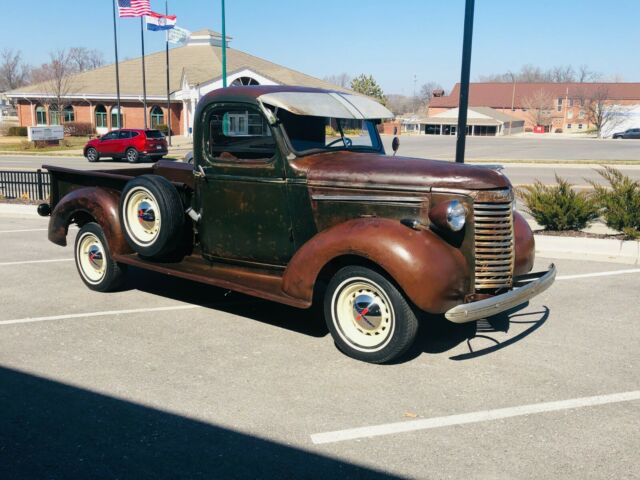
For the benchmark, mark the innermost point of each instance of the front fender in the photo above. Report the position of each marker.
(99, 203)
(432, 273)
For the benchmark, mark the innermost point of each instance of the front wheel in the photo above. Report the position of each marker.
(92, 155)
(368, 317)
(97, 268)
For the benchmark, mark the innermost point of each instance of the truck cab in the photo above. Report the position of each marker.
(291, 197)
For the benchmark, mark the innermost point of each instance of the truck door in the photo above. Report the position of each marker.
(241, 189)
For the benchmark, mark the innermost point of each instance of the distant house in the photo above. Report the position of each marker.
(566, 100)
(196, 69)
(481, 121)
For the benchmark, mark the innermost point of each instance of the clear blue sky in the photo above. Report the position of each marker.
(393, 40)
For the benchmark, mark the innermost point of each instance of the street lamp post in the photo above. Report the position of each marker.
(224, 49)
(465, 72)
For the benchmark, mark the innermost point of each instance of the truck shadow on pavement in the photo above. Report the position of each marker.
(436, 334)
(52, 430)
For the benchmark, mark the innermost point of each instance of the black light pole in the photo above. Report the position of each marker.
(144, 75)
(115, 41)
(463, 103)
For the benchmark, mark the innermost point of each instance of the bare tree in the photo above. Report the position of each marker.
(426, 92)
(539, 107)
(585, 74)
(599, 110)
(400, 104)
(342, 80)
(83, 59)
(56, 77)
(13, 71)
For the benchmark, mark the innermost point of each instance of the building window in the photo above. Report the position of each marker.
(101, 116)
(157, 117)
(54, 115)
(116, 120)
(568, 126)
(244, 81)
(559, 104)
(69, 115)
(41, 115)
(581, 114)
(570, 114)
(579, 126)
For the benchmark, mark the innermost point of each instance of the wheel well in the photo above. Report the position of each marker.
(335, 264)
(80, 218)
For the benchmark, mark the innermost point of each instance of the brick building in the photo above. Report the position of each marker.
(565, 100)
(196, 69)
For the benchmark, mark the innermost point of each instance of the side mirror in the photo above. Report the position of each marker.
(395, 145)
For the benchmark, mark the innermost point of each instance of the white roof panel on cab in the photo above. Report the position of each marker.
(327, 104)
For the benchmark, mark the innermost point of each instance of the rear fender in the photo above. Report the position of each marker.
(433, 274)
(97, 203)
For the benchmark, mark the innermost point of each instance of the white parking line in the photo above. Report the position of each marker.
(474, 417)
(26, 262)
(598, 274)
(25, 230)
(98, 314)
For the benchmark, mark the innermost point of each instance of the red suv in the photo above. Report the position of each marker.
(127, 143)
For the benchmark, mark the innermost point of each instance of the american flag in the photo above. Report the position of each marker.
(134, 8)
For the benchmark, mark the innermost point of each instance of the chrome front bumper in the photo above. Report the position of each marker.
(525, 287)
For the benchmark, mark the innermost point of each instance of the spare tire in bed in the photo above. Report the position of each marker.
(151, 215)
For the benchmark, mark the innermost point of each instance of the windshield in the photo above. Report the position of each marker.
(310, 134)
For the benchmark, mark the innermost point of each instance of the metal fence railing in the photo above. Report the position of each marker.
(16, 184)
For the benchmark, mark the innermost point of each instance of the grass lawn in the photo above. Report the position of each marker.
(21, 144)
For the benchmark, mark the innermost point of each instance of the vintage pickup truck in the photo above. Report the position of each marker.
(291, 198)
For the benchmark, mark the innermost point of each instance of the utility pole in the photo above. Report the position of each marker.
(414, 92)
(513, 96)
(115, 41)
(463, 103)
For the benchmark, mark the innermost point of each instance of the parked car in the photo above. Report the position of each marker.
(292, 198)
(130, 144)
(629, 133)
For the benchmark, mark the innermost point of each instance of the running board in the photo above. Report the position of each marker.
(257, 282)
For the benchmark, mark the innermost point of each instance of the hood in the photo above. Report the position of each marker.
(371, 170)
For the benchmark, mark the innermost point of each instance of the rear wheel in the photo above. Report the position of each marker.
(93, 259)
(368, 317)
(92, 154)
(132, 155)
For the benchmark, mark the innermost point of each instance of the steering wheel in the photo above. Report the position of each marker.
(347, 141)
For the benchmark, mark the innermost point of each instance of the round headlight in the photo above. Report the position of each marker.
(456, 215)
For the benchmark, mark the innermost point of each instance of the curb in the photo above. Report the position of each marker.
(594, 249)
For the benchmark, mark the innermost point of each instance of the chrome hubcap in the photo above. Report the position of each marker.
(142, 216)
(366, 312)
(91, 258)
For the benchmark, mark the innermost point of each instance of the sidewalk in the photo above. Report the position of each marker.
(572, 248)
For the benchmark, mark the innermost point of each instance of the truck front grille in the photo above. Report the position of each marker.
(494, 245)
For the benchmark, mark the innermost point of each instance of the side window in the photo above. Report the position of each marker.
(134, 134)
(124, 135)
(238, 133)
(110, 136)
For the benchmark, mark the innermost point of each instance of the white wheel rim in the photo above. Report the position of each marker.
(363, 314)
(90, 256)
(142, 216)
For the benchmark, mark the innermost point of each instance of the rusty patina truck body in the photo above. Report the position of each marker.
(292, 198)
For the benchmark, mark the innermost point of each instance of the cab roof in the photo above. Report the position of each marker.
(308, 101)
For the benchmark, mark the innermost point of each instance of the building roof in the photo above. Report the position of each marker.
(499, 95)
(475, 116)
(200, 64)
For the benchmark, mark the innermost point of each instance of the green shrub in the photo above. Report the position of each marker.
(163, 128)
(558, 207)
(78, 129)
(619, 201)
(17, 131)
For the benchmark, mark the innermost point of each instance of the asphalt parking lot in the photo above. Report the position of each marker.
(171, 379)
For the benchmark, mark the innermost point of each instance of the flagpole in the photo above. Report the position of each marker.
(224, 49)
(115, 41)
(166, 11)
(144, 78)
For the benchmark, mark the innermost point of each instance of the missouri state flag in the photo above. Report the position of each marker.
(156, 22)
